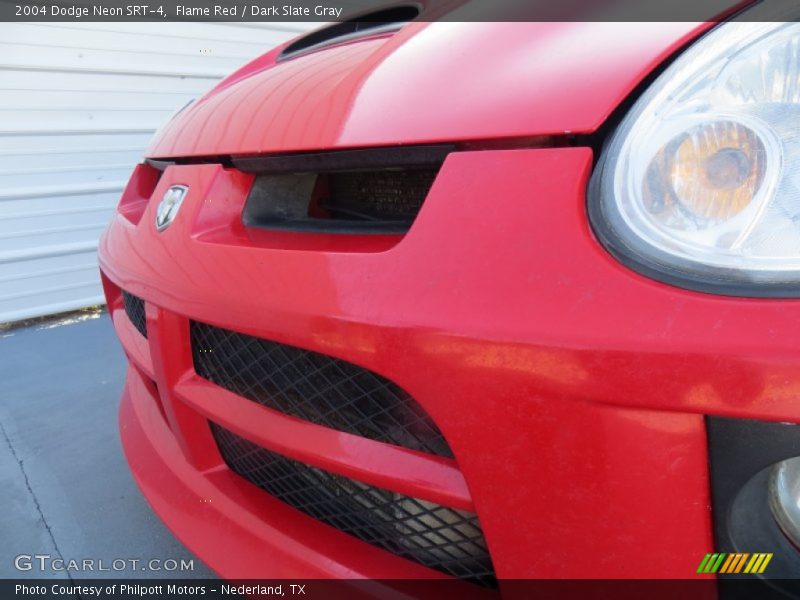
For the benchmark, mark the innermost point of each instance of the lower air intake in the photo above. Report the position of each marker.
(134, 308)
(438, 537)
(314, 387)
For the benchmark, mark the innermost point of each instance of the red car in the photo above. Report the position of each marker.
(412, 299)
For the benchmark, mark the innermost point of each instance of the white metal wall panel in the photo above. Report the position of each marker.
(78, 104)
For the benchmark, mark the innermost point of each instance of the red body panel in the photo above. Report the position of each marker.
(571, 389)
(430, 82)
(496, 333)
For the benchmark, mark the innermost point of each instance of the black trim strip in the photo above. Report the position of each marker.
(159, 165)
(346, 160)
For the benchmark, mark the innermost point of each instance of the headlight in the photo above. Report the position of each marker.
(700, 183)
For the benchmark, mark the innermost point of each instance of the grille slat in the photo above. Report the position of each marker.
(314, 387)
(442, 538)
(134, 308)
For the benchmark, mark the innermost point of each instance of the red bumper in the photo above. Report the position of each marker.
(234, 527)
(571, 390)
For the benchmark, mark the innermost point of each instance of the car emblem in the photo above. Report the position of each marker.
(169, 205)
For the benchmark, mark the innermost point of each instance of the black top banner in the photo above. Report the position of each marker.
(386, 11)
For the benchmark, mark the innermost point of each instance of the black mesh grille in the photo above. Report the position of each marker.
(314, 387)
(438, 537)
(355, 191)
(378, 195)
(134, 308)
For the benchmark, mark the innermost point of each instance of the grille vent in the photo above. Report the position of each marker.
(376, 196)
(134, 308)
(314, 387)
(365, 24)
(438, 537)
(378, 190)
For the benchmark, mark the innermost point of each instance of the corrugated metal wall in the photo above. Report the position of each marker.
(78, 104)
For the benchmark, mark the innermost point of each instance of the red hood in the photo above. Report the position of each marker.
(428, 83)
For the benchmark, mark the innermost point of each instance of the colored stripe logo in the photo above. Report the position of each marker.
(738, 562)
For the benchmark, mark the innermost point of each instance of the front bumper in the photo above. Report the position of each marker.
(571, 390)
(234, 527)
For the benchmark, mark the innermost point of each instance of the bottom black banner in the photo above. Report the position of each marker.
(433, 589)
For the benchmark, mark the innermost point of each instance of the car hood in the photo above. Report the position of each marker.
(427, 83)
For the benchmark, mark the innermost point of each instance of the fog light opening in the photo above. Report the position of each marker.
(784, 497)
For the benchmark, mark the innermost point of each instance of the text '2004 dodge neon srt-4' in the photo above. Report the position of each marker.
(412, 299)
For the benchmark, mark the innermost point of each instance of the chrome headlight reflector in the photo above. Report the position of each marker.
(700, 183)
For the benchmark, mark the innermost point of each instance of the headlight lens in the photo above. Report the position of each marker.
(700, 184)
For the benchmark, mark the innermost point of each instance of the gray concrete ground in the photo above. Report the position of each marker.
(65, 487)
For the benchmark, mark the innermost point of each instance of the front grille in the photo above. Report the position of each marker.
(314, 387)
(438, 537)
(360, 191)
(395, 196)
(134, 308)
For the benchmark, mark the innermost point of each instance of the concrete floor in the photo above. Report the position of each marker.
(65, 487)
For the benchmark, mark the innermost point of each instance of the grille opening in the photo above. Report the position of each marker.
(441, 538)
(352, 191)
(134, 308)
(314, 387)
(372, 23)
(376, 196)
